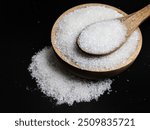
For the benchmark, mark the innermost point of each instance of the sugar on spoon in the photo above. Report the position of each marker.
(105, 37)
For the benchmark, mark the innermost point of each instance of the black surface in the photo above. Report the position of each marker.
(26, 27)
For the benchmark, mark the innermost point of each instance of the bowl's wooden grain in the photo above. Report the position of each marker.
(94, 73)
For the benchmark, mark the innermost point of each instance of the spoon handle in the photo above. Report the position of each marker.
(135, 19)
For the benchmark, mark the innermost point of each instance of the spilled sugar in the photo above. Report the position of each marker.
(69, 28)
(55, 82)
(102, 37)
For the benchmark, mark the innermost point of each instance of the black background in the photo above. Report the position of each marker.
(26, 26)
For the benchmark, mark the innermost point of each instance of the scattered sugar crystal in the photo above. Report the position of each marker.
(102, 37)
(71, 25)
(55, 82)
(128, 80)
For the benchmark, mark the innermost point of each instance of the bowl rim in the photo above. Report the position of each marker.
(69, 62)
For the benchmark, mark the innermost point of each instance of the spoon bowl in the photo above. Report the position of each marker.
(103, 37)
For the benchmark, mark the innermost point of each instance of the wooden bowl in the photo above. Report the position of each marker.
(97, 73)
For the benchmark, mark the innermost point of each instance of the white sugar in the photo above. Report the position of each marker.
(71, 25)
(55, 82)
(102, 37)
(64, 87)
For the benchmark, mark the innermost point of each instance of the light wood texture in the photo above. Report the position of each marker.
(94, 73)
(134, 20)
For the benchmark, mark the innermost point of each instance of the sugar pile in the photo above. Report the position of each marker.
(55, 82)
(102, 37)
(69, 28)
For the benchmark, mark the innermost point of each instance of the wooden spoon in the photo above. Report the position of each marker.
(130, 22)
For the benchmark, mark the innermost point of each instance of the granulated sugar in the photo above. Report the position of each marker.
(71, 25)
(64, 87)
(102, 37)
(55, 82)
